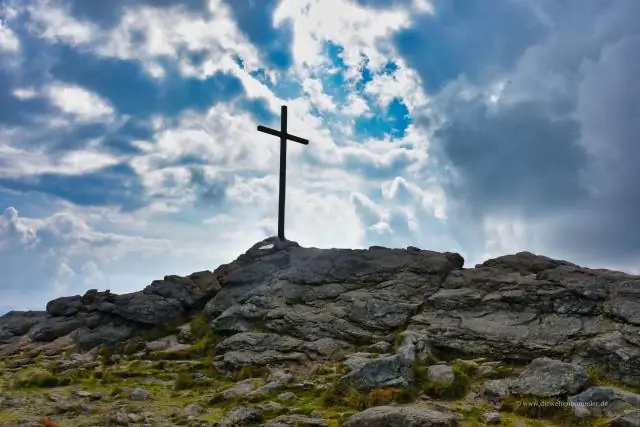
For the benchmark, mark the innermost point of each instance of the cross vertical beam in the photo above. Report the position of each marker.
(284, 136)
(283, 170)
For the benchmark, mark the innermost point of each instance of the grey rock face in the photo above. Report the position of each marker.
(358, 296)
(546, 377)
(401, 416)
(101, 317)
(390, 371)
(609, 401)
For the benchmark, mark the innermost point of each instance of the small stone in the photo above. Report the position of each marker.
(491, 417)
(135, 418)
(241, 416)
(137, 393)
(271, 406)
(287, 397)
(81, 394)
(279, 376)
(496, 388)
(191, 410)
(241, 388)
(442, 374)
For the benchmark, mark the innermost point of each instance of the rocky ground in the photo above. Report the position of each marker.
(292, 336)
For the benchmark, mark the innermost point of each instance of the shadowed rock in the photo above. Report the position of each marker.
(105, 318)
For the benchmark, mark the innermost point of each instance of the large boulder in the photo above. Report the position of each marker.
(546, 377)
(17, 323)
(609, 401)
(389, 371)
(401, 416)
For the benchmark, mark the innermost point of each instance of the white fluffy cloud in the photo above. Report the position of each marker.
(78, 102)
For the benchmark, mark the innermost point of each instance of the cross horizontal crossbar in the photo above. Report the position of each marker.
(286, 135)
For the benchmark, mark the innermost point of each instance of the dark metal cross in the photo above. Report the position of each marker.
(284, 136)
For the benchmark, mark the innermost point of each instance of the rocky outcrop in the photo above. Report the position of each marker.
(525, 306)
(280, 303)
(97, 318)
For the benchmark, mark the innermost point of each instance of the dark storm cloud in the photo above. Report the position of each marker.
(560, 148)
(609, 107)
(519, 155)
(470, 37)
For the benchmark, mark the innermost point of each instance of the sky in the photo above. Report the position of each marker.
(129, 149)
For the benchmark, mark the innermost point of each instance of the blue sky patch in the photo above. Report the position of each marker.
(392, 122)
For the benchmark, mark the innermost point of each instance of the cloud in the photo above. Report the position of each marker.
(553, 146)
(9, 42)
(467, 37)
(255, 20)
(80, 103)
(47, 254)
(116, 185)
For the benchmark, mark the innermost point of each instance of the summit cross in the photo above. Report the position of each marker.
(284, 136)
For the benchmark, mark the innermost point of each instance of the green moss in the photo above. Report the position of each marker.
(473, 416)
(160, 331)
(133, 346)
(500, 372)
(184, 381)
(199, 326)
(341, 394)
(465, 367)
(386, 396)
(431, 360)
(105, 354)
(43, 380)
(159, 366)
(397, 339)
(129, 373)
(252, 371)
(458, 388)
